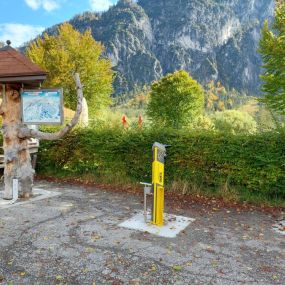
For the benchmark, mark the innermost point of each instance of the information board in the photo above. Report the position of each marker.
(42, 107)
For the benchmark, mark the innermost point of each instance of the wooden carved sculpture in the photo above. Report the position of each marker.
(15, 140)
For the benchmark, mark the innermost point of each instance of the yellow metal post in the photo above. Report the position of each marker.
(159, 153)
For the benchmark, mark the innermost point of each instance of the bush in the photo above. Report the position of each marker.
(202, 123)
(175, 100)
(235, 122)
(210, 160)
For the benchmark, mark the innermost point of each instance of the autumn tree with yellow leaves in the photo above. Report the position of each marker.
(70, 51)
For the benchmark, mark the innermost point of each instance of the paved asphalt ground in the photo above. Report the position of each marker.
(75, 239)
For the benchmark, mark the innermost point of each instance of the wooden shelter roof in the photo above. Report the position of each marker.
(16, 68)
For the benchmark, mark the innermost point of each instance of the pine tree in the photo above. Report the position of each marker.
(272, 50)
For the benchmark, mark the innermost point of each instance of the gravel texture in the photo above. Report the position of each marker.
(75, 239)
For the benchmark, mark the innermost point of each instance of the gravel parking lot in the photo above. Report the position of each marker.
(74, 238)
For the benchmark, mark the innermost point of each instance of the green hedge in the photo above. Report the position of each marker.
(208, 160)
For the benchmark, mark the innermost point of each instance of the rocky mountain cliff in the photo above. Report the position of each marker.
(212, 39)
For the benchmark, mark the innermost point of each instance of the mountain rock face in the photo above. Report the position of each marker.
(212, 39)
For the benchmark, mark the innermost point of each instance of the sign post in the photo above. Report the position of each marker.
(15, 189)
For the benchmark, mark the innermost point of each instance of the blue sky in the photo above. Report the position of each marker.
(22, 20)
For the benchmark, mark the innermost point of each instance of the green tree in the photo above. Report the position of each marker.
(70, 51)
(233, 121)
(218, 98)
(175, 100)
(272, 50)
(214, 95)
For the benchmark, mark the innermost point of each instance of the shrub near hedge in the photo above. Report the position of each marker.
(255, 163)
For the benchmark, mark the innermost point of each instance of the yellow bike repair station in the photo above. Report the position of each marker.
(154, 220)
(156, 188)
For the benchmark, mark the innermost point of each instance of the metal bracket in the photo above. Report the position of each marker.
(147, 190)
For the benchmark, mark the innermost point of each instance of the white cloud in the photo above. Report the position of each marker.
(100, 5)
(48, 5)
(34, 4)
(18, 33)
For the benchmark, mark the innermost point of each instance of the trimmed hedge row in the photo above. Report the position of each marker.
(255, 163)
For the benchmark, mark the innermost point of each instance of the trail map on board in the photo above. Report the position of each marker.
(42, 107)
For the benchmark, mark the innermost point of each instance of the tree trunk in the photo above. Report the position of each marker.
(16, 152)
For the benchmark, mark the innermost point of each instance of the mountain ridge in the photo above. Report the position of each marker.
(211, 39)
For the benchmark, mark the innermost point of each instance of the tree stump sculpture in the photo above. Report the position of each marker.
(15, 140)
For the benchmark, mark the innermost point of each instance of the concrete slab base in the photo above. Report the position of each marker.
(172, 227)
(39, 194)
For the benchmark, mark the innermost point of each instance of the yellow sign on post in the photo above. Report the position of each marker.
(159, 153)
